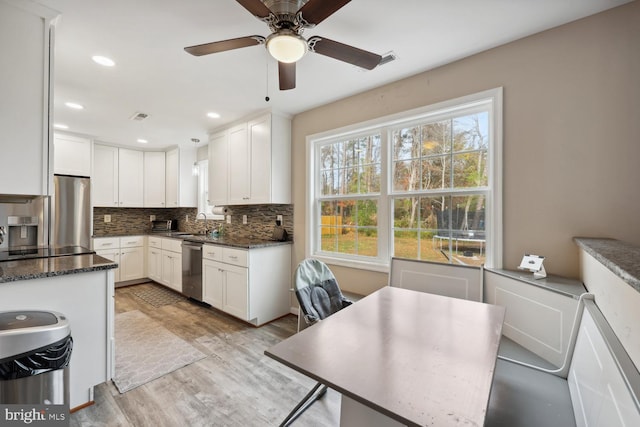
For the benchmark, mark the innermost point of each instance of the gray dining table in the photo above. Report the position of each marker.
(402, 357)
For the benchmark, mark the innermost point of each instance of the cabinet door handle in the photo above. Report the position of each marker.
(233, 257)
(106, 244)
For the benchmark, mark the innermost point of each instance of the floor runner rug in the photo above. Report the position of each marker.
(157, 295)
(146, 350)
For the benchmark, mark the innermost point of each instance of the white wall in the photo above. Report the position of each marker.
(571, 136)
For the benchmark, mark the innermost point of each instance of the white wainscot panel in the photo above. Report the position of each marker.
(530, 320)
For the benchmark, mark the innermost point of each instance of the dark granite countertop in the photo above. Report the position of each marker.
(238, 242)
(621, 258)
(232, 241)
(25, 269)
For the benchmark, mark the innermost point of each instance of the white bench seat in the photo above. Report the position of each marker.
(526, 397)
(602, 388)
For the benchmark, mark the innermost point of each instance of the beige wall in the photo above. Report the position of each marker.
(571, 136)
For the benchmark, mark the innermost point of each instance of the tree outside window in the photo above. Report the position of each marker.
(419, 187)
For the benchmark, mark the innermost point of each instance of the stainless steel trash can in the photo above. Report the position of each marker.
(35, 349)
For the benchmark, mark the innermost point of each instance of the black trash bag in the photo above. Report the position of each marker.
(39, 361)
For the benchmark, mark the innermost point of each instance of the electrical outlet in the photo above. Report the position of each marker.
(152, 217)
(228, 219)
(187, 218)
(244, 219)
(107, 218)
(279, 218)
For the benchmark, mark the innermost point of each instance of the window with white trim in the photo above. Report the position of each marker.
(202, 170)
(423, 185)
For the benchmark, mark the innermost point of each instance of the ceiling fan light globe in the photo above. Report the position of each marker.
(287, 46)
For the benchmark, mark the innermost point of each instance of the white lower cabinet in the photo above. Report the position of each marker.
(172, 270)
(131, 263)
(165, 262)
(154, 264)
(112, 255)
(127, 251)
(154, 258)
(235, 299)
(212, 278)
(252, 285)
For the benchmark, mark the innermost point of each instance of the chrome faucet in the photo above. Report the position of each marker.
(205, 222)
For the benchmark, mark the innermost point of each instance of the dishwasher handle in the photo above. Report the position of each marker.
(192, 246)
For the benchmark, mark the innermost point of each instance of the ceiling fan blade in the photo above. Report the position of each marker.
(316, 11)
(287, 75)
(343, 52)
(221, 46)
(256, 8)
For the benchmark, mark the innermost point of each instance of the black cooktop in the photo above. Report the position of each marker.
(26, 252)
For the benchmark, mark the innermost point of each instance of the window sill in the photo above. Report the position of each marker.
(351, 263)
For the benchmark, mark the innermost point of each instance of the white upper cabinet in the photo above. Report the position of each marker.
(117, 177)
(251, 163)
(154, 179)
(218, 169)
(181, 184)
(130, 178)
(172, 176)
(239, 166)
(71, 155)
(26, 47)
(270, 172)
(104, 182)
(127, 178)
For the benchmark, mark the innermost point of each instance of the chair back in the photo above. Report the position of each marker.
(317, 290)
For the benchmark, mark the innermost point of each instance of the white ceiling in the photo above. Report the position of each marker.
(155, 76)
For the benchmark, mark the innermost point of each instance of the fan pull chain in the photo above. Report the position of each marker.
(266, 98)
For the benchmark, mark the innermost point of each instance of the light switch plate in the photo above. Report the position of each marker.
(228, 219)
(244, 219)
(107, 218)
(152, 217)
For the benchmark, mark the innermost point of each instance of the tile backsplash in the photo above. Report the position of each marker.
(261, 220)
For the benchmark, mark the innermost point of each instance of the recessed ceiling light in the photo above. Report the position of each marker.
(103, 60)
(74, 105)
(213, 115)
(60, 126)
(142, 141)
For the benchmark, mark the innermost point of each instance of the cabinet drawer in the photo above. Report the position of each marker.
(235, 256)
(155, 242)
(102, 243)
(212, 252)
(131, 241)
(173, 245)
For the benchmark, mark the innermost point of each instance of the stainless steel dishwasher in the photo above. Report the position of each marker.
(192, 269)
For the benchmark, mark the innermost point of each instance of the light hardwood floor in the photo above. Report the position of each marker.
(235, 385)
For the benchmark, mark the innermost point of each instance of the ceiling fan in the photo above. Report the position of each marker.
(287, 19)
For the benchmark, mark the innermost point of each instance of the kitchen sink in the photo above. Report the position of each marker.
(185, 235)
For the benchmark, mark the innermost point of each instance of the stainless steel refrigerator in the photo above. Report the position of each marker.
(71, 211)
